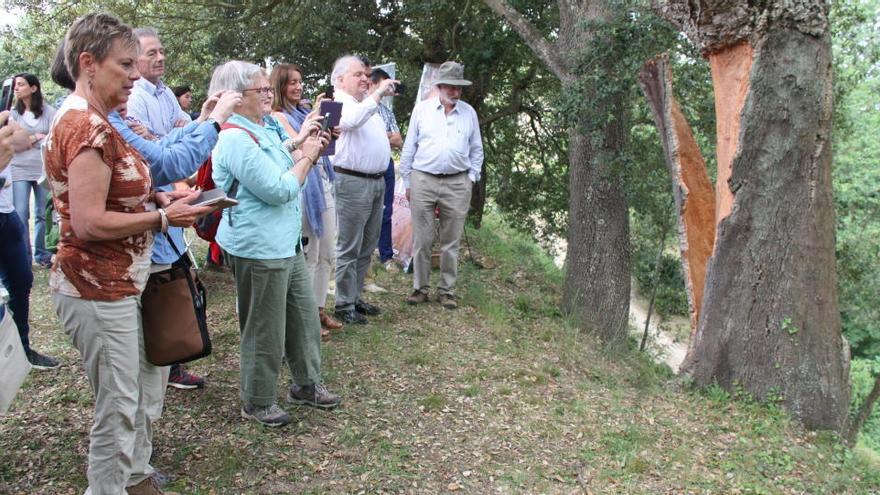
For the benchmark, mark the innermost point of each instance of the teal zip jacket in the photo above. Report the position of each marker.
(267, 222)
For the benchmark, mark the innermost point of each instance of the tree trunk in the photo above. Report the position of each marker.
(597, 275)
(769, 321)
(691, 186)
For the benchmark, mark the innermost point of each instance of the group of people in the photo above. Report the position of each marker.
(114, 154)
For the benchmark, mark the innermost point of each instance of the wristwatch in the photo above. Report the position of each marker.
(213, 123)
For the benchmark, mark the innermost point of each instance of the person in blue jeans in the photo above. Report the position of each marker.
(386, 251)
(15, 267)
(34, 116)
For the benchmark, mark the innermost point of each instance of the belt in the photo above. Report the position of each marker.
(444, 176)
(340, 170)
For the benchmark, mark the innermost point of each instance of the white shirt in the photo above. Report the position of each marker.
(363, 145)
(438, 143)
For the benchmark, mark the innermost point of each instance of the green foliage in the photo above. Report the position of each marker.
(863, 373)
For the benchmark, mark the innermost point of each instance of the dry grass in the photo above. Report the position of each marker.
(500, 396)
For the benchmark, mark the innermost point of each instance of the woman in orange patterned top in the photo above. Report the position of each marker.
(103, 194)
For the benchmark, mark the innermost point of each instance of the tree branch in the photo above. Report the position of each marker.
(543, 49)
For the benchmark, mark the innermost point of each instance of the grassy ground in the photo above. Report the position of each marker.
(500, 396)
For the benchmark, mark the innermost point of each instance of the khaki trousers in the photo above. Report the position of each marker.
(127, 388)
(321, 254)
(452, 195)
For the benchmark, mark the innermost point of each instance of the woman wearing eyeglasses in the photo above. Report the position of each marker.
(319, 206)
(261, 236)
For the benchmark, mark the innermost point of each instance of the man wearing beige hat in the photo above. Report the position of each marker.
(441, 160)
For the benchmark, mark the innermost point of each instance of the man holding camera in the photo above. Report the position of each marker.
(441, 161)
(362, 155)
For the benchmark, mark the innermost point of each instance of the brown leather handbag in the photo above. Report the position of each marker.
(173, 307)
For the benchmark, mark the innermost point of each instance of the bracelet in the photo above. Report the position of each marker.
(290, 144)
(163, 220)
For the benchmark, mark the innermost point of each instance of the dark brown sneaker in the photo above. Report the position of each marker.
(313, 395)
(447, 301)
(417, 297)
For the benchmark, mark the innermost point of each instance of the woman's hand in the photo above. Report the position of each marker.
(165, 198)
(180, 212)
(141, 130)
(314, 145)
(309, 126)
(220, 106)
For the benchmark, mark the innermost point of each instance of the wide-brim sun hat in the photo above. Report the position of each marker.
(451, 74)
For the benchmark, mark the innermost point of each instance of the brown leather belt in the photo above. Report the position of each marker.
(355, 173)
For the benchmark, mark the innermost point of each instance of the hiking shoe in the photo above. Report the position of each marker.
(271, 416)
(182, 379)
(350, 317)
(366, 308)
(447, 301)
(313, 395)
(417, 297)
(162, 479)
(148, 486)
(41, 362)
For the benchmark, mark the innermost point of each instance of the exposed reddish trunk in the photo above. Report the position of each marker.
(691, 186)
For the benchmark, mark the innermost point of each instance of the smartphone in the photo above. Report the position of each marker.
(399, 89)
(325, 124)
(7, 96)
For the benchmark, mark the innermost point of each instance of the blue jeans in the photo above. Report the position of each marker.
(21, 197)
(386, 252)
(15, 272)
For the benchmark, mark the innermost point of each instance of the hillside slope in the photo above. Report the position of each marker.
(500, 396)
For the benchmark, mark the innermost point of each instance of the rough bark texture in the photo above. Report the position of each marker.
(716, 24)
(691, 186)
(597, 276)
(770, 321)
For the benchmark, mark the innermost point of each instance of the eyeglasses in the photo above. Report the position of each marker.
(263, 91)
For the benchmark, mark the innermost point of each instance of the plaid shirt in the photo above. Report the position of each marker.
(388, 117)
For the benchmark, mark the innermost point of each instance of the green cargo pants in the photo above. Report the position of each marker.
(278, 319)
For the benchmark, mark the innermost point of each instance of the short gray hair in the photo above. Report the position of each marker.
(341, 66)
(94, 33)
(146, 32)
(234, 75)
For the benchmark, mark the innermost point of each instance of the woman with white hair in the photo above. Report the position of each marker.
(278, 317)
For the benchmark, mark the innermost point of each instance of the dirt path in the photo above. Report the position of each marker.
(661, 343)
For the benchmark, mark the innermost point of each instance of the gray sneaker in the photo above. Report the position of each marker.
(313, 395)
(41, 362)
(267, 416)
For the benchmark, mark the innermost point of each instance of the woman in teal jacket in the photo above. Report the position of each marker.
(278, 317)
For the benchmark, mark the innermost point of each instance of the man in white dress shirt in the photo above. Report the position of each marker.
(362, 155)
(441, 161)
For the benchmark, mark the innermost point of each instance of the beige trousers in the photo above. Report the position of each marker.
(321, 254)
(452, 195)
(128, 389)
